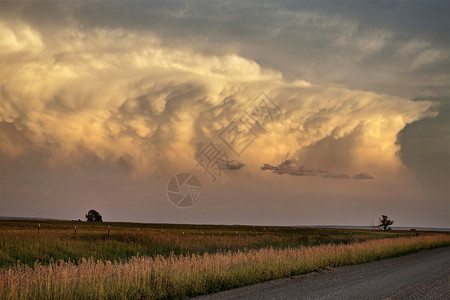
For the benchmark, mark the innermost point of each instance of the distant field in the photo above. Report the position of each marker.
(20, 240)
(163, 261)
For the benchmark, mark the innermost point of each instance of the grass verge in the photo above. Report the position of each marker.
(173, 277)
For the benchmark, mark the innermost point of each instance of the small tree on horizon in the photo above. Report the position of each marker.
(93, 216)
(385, 223)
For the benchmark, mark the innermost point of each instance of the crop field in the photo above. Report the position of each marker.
(168, 261)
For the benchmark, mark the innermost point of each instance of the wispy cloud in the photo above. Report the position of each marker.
(362, 176)
(295, 167)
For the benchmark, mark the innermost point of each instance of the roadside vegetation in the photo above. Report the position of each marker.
(20, 241)
(136, 261)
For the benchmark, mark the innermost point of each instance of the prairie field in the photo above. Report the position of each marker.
(168, 261)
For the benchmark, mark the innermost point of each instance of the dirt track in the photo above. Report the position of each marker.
(422, 275)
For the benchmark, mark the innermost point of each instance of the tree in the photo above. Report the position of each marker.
(93, 216)
(385, 223)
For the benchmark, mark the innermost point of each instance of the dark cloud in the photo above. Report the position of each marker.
(294, 167)
(336, 175)
(362, 176)
(234, 165)
(425, 151)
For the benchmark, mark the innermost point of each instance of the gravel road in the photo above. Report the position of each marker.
(422, 275)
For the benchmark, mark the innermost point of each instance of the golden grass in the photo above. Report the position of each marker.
(181, 276)
(20, 240)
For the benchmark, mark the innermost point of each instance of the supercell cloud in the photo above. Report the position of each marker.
(140, 87)
(120, 95)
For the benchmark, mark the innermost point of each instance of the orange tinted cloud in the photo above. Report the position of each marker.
(119, 95)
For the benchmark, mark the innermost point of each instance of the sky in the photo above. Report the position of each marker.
(269, 112)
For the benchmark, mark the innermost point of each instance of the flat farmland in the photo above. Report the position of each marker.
(27, 242)
(170, 261)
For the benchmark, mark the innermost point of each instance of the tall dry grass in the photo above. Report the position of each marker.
(181, 276)
(20, 240)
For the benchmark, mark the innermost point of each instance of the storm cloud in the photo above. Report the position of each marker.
(120, 95)
(140, 87)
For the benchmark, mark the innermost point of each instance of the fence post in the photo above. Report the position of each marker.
(39, 227)
(75, 231)
(109, 228)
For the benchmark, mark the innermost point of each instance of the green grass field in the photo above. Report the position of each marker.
(20, 240)
(164, 261)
